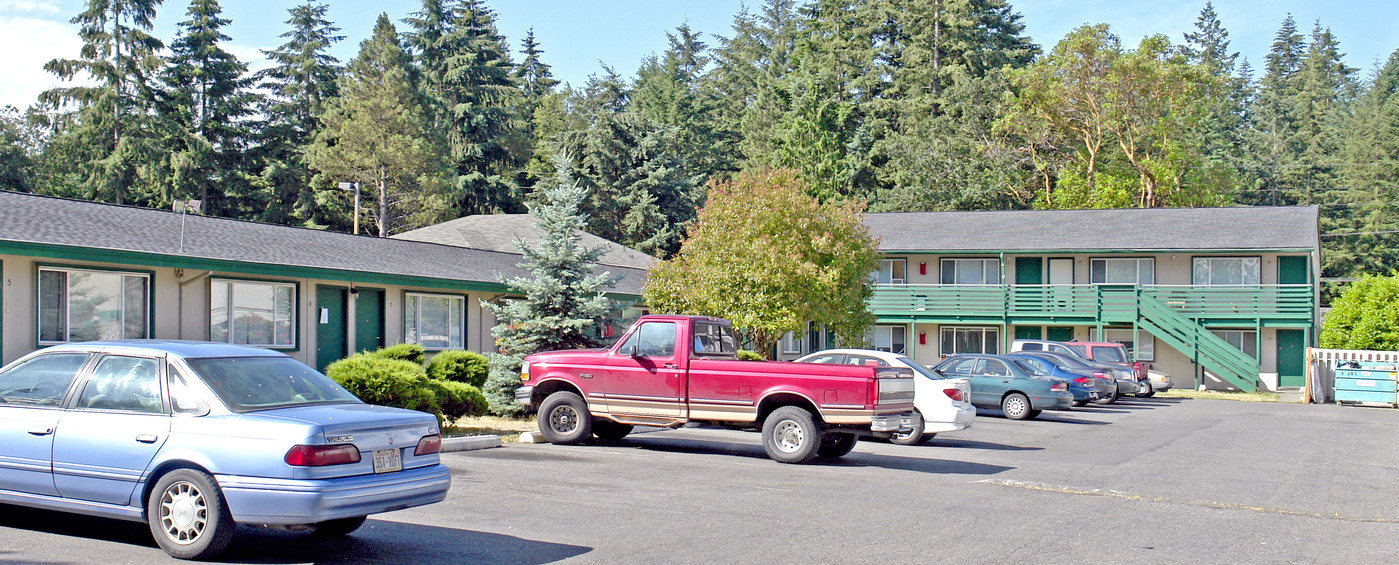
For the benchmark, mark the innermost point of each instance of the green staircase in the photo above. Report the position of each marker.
(1214, 354)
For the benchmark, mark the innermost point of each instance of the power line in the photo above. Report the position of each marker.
(1359, 233)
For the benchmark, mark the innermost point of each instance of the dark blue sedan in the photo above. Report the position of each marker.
(1083, 386)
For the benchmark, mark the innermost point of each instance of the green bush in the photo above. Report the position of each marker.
(500, 386)
(461, 366)
(746, 355)
(403, 352)
(1365, 316)
(387, 382)
(458, 399)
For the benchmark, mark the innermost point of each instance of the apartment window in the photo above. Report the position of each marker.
(254, 313)
(1245, 340)
(1142, 347)
(892, 271)
(84, 305)
(790, 343)
(1225, 271)
(1137, 271)
(969, 340)
(434, 321)
(971, 271)
(888, 338)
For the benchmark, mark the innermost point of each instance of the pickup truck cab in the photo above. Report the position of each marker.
(672, 370)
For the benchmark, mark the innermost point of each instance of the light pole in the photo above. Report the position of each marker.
(355, 186)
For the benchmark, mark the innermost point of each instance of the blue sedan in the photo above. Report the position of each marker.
(1082, 385)
(1005, 383)
(193, 438)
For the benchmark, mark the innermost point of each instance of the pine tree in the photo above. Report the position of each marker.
(302, 79)
(110, 134)
(1274, 144)
(534, 77)
(1222, 125)
(467, 72)
(376, 133)
(207, 97)
(563, 306)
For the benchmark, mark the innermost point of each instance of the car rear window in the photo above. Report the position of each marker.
(246, 384)
(1110, 354)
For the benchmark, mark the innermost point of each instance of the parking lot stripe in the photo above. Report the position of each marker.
(1167, 500)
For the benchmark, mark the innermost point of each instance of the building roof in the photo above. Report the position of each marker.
(59, 227)
(498, 232)
(1242, 229)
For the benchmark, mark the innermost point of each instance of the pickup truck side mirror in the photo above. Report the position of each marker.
(631, 351)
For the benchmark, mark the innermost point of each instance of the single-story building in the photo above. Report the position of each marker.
(76, 270)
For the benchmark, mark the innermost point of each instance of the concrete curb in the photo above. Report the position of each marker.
(532, 437)
(470, 443)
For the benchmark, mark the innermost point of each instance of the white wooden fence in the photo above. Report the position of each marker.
(1321, 369)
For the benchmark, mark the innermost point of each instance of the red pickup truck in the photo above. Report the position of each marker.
(671, 370)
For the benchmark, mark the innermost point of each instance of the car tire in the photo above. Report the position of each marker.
(1016, 406)
(564, 418)
(607, 430)
(912, 438)
(340, 527)
(1110, 399)
(188, 516)
(836, 444)
(790, 435)
(1146, 390)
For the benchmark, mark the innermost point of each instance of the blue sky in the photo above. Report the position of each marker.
(577, 34)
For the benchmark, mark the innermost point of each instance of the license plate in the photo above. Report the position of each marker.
(387, 461)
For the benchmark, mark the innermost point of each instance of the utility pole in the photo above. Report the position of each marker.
(348, 186)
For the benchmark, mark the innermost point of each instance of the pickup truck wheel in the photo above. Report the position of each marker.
(790, 435)
(607, 430)
(913, 437)
(564, 418)
(1016, 406)
(836, 444)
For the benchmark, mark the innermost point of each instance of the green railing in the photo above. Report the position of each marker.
(1088, 303)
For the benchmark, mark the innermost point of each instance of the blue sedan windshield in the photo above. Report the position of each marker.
(245, 384)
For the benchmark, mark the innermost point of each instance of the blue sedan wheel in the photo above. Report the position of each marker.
(188, 516)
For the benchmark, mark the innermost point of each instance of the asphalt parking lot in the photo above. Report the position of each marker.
(1146, 481)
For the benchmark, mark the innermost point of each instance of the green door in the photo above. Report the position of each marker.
(330, 325)
(1029, 270)
(1060, 334)
(1293, 270)
(369, 319)
(1292, 357)
(1029, 332)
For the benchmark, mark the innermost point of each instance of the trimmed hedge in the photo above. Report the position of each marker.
(403, 352)
(458, 399)
(461, 366)
(388, 382)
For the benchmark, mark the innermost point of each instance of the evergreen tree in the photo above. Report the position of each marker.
(467, 72)
(207, 97)
(1368, 209)
(747, 79)
(376, 133)
(534, 77)
(563, 306)
(109, 136)
(668, 90)
(298, 85)
(1222, 126)
(1273, 135)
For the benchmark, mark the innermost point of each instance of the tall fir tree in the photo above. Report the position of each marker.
(208, 98)
(563, 306)
(534, 77)
(1221, 127)
(376, 133)
(111, 133)
(302, 79)
(475, 101)
(1371, 199)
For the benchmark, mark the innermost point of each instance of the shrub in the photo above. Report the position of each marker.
(1366, 316)
(746, 355)
(500, 386)
(403, 352)
(461, 366)
(458, 399)
(388, 382)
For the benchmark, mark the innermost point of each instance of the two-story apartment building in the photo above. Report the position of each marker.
(74, 271)
(1223, 296)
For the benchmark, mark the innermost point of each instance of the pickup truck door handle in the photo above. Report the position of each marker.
(669, 365)
(41, 430)
(146, 438)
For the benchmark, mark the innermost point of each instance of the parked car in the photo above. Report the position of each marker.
(1127, 378)
(1116, 353)
(1159, 382)
(940, 404)
(1003, 383)
(1109, 389)
(223, 435)
(1083, 385)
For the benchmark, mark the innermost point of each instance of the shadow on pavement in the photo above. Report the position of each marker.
(1046, 416)
(378, 541)
(940, 443)
(856, 458)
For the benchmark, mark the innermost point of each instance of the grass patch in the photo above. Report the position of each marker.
(1221, 395)
(508, 429)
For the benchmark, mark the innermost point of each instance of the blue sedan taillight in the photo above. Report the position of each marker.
(428, 445)
(321, 455)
